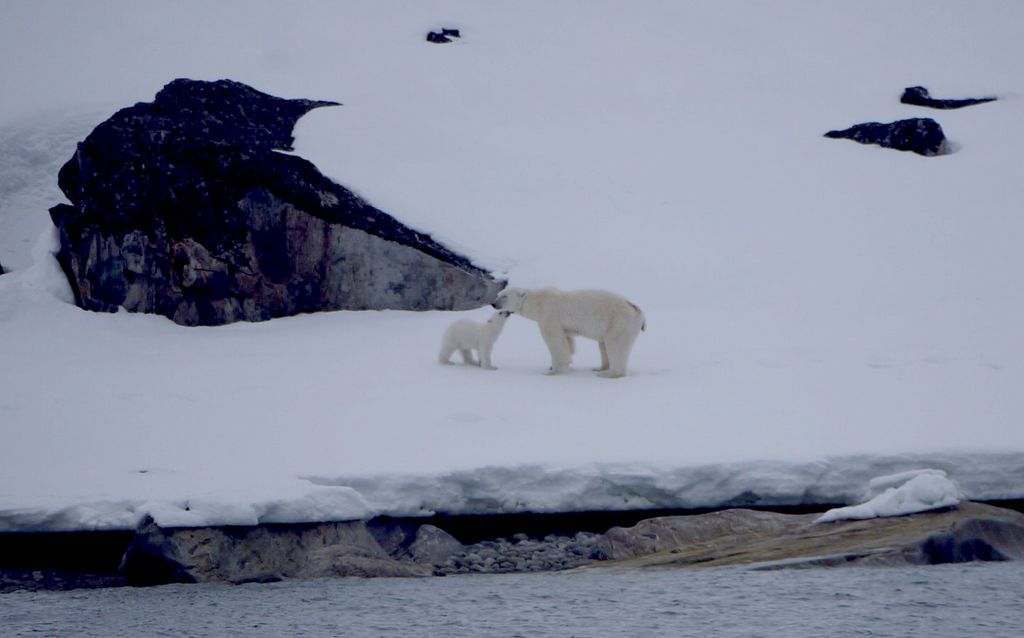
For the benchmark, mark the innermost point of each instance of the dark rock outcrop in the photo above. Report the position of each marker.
(259, 554)
(444, 35)
(186, 207)
(919, 96)
(425, 544)
(55, 561)
(923, 136)
(356, 548)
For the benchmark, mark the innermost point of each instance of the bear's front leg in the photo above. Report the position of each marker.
(445, 356)
(604, 357)
(485, 357)
(558, 345)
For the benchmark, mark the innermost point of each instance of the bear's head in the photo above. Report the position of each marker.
(499, 318)
(510, 299)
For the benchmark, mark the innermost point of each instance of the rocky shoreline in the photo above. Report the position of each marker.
(386, 547)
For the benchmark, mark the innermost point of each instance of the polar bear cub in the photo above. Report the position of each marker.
(608, 318)
(466, 335)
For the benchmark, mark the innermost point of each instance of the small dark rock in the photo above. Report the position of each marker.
(444, 35)
(923, 136)
(919, 96)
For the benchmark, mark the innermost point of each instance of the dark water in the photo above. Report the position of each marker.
(977, 599)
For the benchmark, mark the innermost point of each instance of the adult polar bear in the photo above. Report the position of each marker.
(610, 319)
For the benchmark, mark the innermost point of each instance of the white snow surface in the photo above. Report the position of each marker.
(900, 494)
(819, 312)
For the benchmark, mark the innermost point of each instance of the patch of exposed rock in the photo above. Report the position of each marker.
(443, 36)
(921, 135)
(919, 96)
(186, 207)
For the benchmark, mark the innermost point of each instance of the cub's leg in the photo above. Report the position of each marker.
(485, 357)
(467, 356)
(445, 355)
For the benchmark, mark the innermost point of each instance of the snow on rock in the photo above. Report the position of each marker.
(296, 506)
(538, 488)
(174, 499)
(275, 499)
(900, 494)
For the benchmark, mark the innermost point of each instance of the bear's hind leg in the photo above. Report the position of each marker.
(467, 357)
(618, 356)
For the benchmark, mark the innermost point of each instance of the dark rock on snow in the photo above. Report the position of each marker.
(185, 207)
(444, 35)
(919, 96)
(923, 136)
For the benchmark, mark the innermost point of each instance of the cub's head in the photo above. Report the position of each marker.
(510, 299)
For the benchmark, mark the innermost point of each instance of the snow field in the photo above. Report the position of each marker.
(810, 302)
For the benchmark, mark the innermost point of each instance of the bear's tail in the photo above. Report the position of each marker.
(643, 326)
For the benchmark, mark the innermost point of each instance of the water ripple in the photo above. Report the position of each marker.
(938, 601)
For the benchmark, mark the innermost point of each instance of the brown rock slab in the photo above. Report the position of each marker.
(970, 531)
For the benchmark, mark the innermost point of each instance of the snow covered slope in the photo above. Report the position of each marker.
(812, 304)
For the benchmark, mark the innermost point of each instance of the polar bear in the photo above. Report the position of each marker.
(466, 335)
(606, 317)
